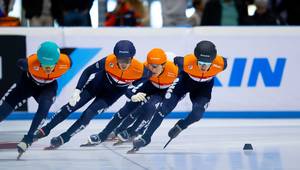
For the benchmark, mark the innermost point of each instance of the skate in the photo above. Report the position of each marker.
(133, 150)
(22, 147)
(174, 131)
(119, 142)
(93, 140)
(137, 144)
(56, 142)
(112, 137)
(123, 136)
(88, 144)
(168, 142)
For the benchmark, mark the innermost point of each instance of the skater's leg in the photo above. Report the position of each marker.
(14, 97)
(163, 110)
(199, 106)
(65, 111)
(96, 107)
(5, 110)
(200, 97)
(141, 115)
(45, 100)
(117, 119)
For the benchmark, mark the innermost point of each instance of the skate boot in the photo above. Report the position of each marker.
(55, 143)
(112, 136)
(122, 137)
(173, 133)
(93, 140)
(23, 145)
(137, 144)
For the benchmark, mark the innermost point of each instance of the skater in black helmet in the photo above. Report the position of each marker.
(197, 78)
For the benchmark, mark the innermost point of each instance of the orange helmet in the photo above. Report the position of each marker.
(156, 56)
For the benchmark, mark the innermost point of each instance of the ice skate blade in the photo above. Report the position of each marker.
(168, 142)
(19, 155)
(132, 151)
(88, 145)
(51, 147)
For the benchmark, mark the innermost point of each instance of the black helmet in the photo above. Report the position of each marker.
(205, 51)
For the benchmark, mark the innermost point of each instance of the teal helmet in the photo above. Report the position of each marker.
(48, 53)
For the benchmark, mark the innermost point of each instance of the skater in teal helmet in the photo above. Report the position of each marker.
(38, 79)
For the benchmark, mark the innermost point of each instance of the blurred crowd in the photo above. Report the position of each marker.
(137, 12)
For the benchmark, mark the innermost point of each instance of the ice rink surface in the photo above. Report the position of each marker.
(210, 144)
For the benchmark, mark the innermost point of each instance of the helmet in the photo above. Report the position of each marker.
(156, 56)
(205, 51)
(48, 53)
(124, 49)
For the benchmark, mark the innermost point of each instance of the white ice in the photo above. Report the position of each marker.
(210, 144)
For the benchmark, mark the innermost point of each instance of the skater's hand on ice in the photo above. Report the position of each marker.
(74, 98)
(139, 97)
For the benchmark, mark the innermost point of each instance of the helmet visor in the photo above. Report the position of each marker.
(206, 64)
(124, 60)
(48, 66)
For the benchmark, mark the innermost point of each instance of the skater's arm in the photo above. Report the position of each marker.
(96, 67)
(136, 85)
(22, 64)
(132, 90)
(179, 62)
(225, 63)
(146, 76)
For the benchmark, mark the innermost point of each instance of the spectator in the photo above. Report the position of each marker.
(5, 7)
(278, 10)
(42, 12)
(195, 19)
(126, 13)
(291, 9)
(173, 12)
(140, 10)
(224, 12)
(262, 15)
(77, 12)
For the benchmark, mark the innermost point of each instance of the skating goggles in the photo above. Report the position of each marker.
(201, 63)
(154, 65)
(48, 66)
(124, 60)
